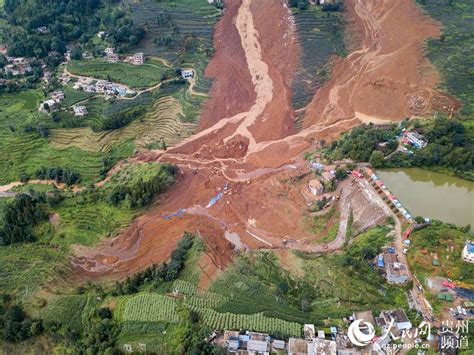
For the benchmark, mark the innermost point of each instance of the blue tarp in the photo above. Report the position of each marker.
(175, 214)
(380, 261)
(214, 200)
(391, 250)
(464, 292)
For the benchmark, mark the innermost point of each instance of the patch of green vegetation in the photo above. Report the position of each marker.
(66, 310)
(35, 187)
(450, 146)
(25, 268)
(73, 96)
(24, 153)
(85, 222)
(134, 76)
(321, 36)
(452, 53)
(445, 243)
(332, 286)
(71, 21)
(97, 212)
(321, 226)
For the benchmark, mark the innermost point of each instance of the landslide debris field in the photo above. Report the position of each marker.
(231, 189)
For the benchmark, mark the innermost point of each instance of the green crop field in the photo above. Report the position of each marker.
(150, 308)
(134, 76)
(320, 36)
(24, 268)
(66, 310)
(453, 52)
(257, 322)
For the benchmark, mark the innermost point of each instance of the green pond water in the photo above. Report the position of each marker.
(433, 195)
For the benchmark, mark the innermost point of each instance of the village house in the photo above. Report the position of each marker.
(400, 320)
(42, 30)
(113, 58)
(187, 74)
(80, 111)
(57, 96)
(315, 187)
(251, 343)
(101, 34)
(396, 272)
(11, 69)
(416, 139)
(138, 59)
(108, 51)
(328, 175)
(46, 76)
(64, 79)
(468, 252)
(3, 48)
(48, 106)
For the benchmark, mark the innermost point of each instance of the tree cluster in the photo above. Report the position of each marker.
(19, 216)
(359, 143)
(15, 325)
(121, 119)
(36, 27)
(158, 273)
(141, 193)
(60, 175)
(450, 146)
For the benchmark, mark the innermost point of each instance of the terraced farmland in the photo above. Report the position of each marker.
(190, 17)
(134, 76)
(452, 52)
(148, 307)
(162, 123)
(171, 26)
(320, 36)
(256, 322)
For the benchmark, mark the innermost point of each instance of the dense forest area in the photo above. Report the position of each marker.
(35, 28)
(19, 216)
(450, 147)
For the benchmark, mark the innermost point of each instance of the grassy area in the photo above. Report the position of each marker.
(321, 36)
(445, 243)
(453, 54)
(331, 286)
(325, 225)
(25, 268)
(134, 76)
(66, 310)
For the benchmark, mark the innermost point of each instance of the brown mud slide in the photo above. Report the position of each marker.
(247, 149)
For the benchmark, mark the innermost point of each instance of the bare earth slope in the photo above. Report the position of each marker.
(247, 142)
(388, 78)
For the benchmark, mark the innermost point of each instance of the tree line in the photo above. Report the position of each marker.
(58, 174)
(140, 193)
(158, 273)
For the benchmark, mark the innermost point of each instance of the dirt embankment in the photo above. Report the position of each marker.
(232, 90)
(388, 78)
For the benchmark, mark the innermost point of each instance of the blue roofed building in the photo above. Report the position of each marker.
(468, 252)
